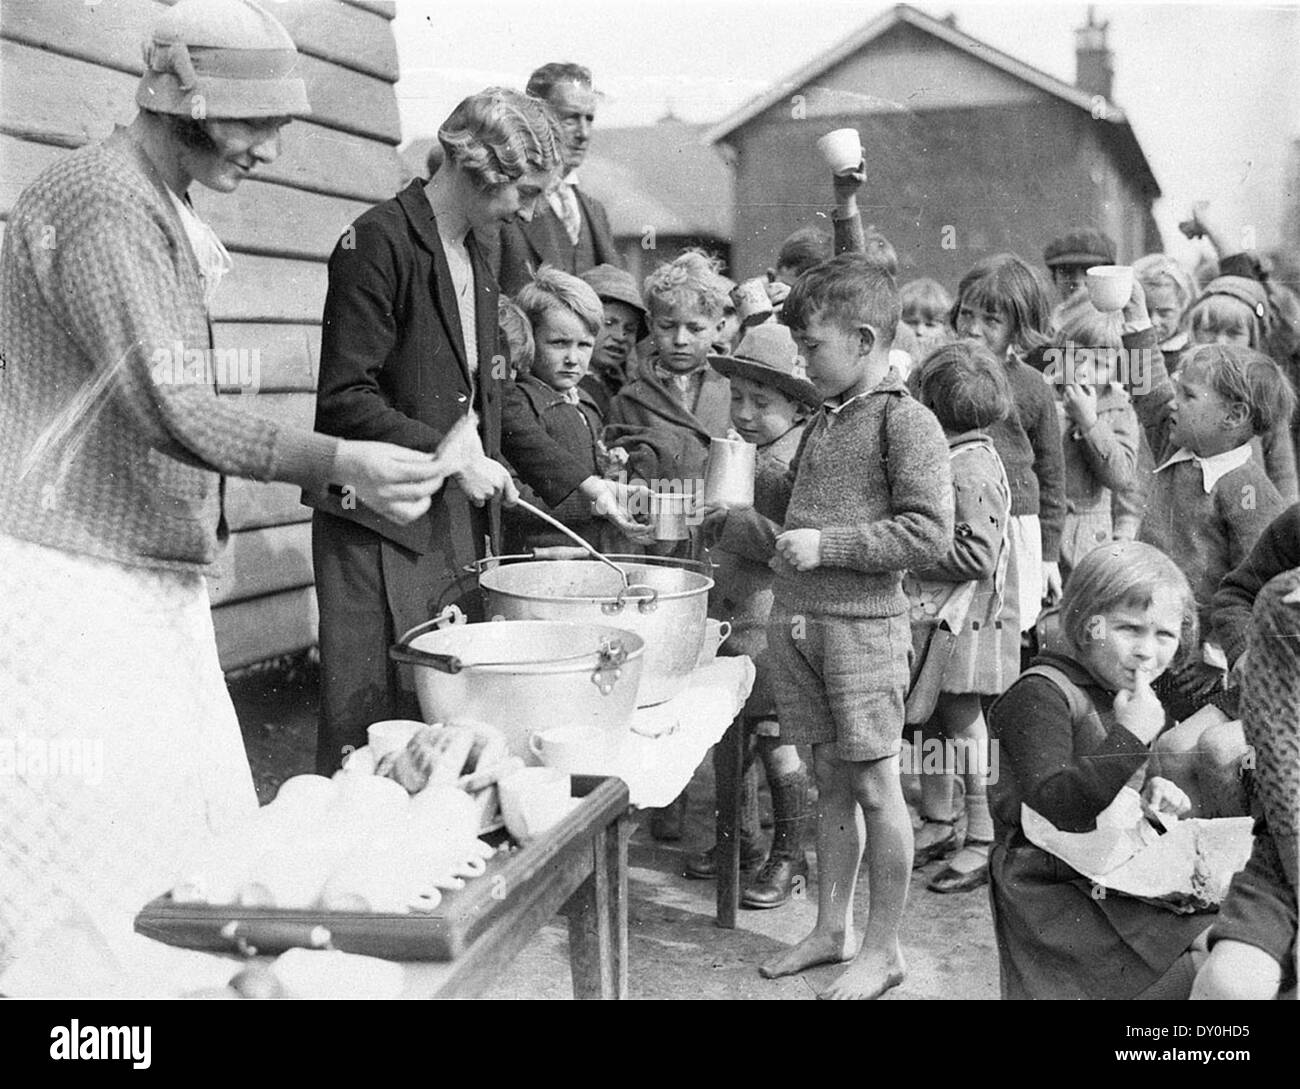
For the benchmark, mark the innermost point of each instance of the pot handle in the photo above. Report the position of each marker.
(479, 566)
(646, 597)
(560, 552)
(609, 666)
(443, 663)
(451, 615)
(403, 652)
(724, 632)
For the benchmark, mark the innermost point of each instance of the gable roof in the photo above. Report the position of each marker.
(906, 15)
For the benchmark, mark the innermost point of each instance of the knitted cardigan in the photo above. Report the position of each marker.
(875, 479)
(112, 447)
(1029, 444)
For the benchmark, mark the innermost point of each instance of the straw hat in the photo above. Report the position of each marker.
(767, 354)
(221, 59)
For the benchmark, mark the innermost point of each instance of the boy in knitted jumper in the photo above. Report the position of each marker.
(868, 497)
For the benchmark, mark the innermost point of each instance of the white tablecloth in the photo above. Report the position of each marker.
(657, 768)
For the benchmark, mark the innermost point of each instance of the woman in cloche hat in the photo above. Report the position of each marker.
(124, 749)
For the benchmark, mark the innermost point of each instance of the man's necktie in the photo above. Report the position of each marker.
(570, 214)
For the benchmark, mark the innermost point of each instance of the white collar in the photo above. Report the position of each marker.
(835, 410)
(1215, 467)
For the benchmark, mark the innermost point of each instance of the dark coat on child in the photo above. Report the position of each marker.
(664, 440)
(1276, 551)
(577, 429)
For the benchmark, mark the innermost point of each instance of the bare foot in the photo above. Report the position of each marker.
(869, 976)
(817, 948)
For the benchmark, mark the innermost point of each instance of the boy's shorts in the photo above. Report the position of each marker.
(1260, 908)
(841, 679)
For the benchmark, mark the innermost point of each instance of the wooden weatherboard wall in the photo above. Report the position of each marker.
(68, 73)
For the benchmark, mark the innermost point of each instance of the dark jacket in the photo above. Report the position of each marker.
(1276, 550)
(663, 441)
(520, 249)
(393, 368)
(577, 428)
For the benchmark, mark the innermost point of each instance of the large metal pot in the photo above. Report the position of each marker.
(666, 606)
(525, 676)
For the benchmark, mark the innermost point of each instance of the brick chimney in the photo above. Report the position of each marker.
(1093, 72)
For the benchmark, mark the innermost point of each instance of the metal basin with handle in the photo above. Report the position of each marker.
(666, 604)
(524, 676)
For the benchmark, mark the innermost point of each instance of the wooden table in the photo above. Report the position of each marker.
(579, 870)
(729, 765)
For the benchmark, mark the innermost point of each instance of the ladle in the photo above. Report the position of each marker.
(577, 539)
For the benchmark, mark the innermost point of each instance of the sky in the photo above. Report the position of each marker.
(1212, 91)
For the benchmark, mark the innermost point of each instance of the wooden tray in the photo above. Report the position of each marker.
(442, 934)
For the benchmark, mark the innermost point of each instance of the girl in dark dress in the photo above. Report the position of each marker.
(1072, 732)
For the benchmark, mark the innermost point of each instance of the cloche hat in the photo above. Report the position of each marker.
(221, 59)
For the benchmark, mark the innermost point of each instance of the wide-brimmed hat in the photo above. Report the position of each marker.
(613, 284)
(221, 59)
(767, 354)
(1082, 247)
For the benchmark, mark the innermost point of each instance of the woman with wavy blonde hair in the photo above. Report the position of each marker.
(409, 347)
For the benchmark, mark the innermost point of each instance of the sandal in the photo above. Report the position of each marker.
(950, 879)
(940, 848)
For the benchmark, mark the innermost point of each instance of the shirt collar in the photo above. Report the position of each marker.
(572, 395)
(679, 378)
(891, 382)
(1215, 467)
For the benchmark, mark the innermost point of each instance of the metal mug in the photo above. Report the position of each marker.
(729, 476)
(668, 515)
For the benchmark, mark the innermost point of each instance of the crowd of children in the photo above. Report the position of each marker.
(1002, 517)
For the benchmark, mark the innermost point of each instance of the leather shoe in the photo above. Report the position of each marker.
(772, 885)
(704, 866)
(950, 880)
(940, 848)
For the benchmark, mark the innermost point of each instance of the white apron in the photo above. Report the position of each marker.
(119, 746)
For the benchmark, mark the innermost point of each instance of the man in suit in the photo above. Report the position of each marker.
(571, 229)
(408, 348)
